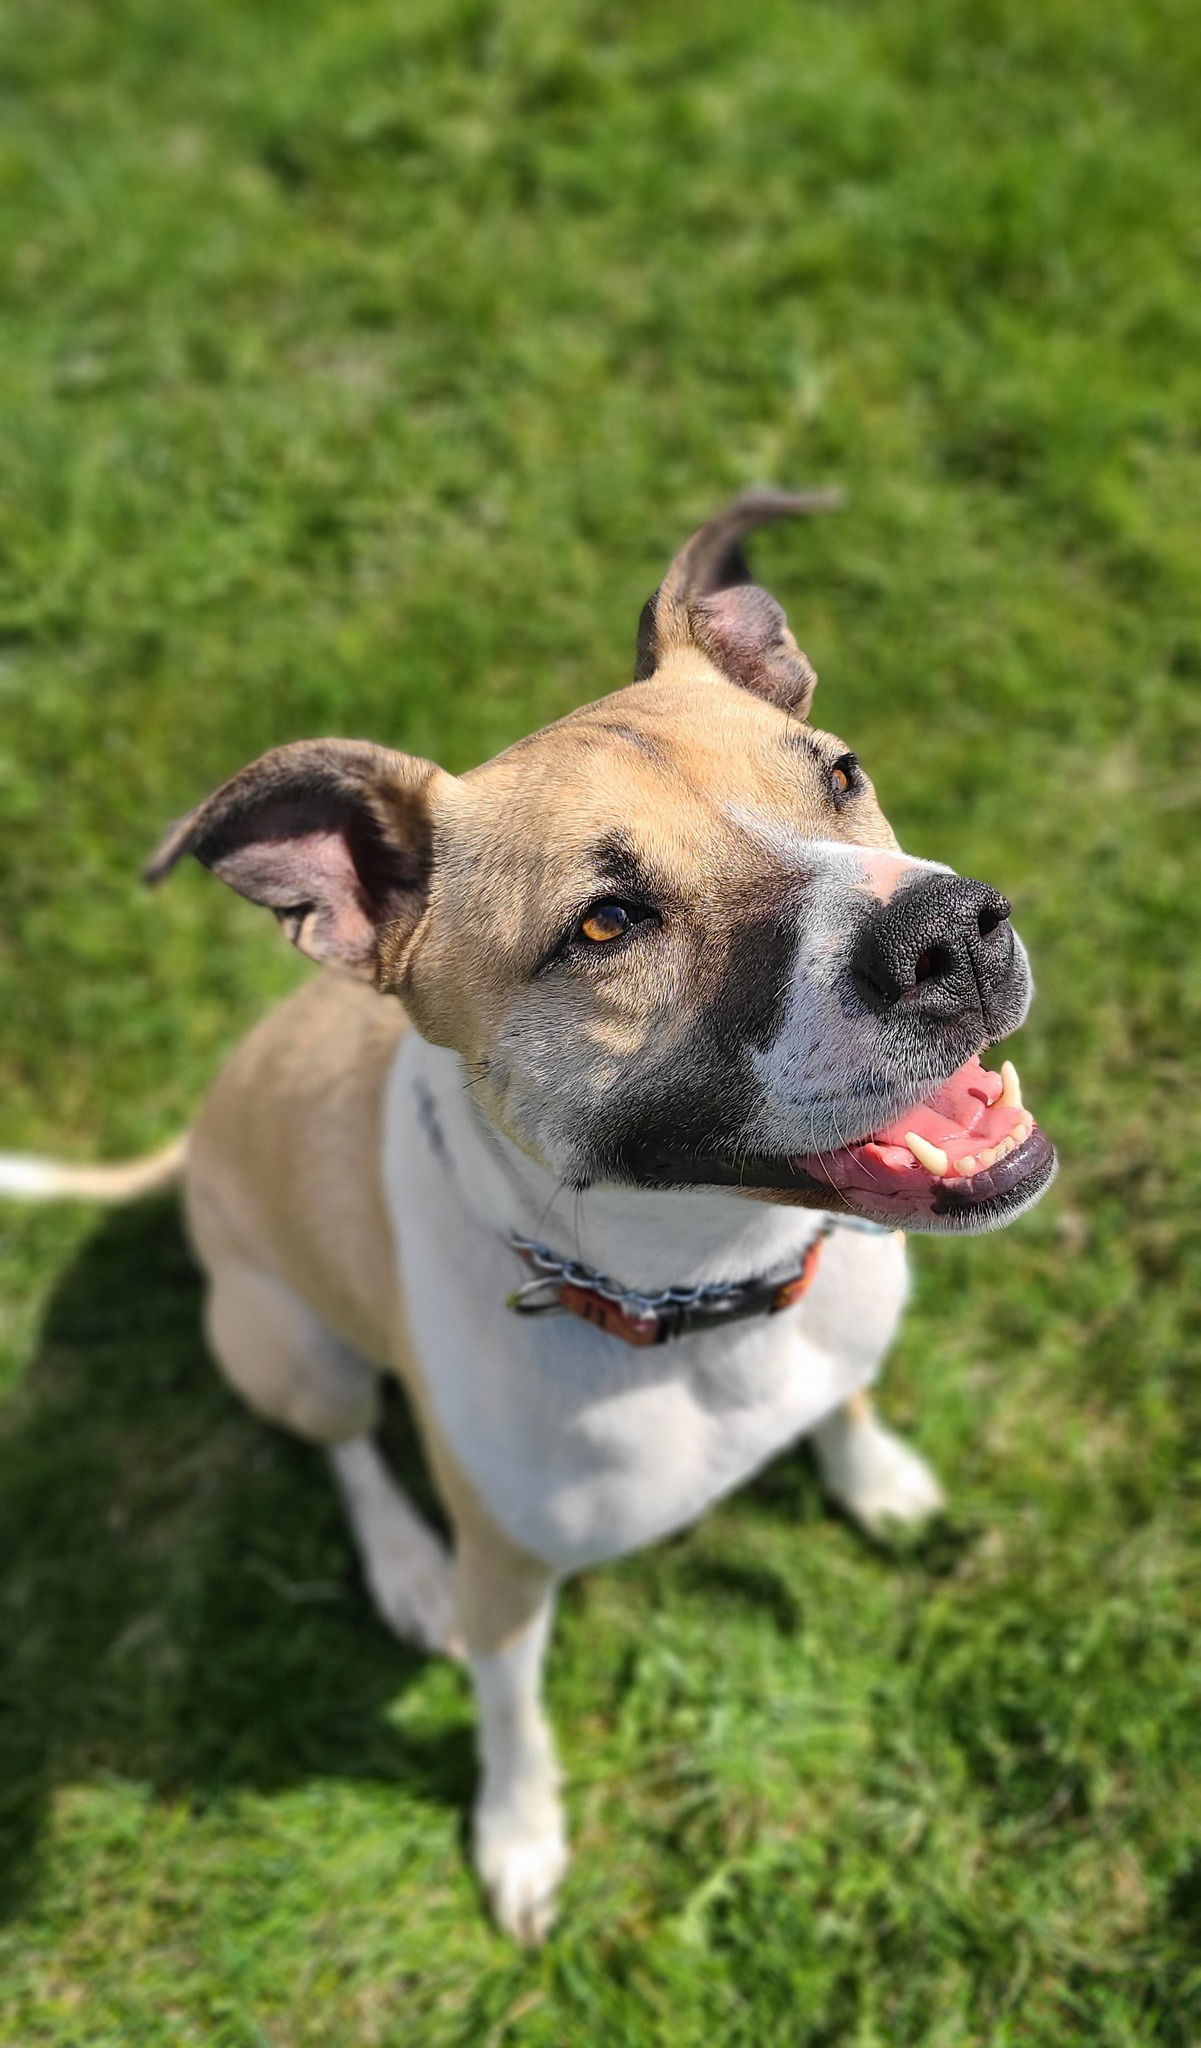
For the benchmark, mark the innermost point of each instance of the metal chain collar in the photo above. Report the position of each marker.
(555, 1271)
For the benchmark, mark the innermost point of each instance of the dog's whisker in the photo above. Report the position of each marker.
(560, 1188)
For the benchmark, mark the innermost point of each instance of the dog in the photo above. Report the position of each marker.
(637, 1051)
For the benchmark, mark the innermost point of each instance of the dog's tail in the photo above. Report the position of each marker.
(29, 1179)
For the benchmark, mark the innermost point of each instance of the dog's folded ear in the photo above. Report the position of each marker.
(707, 601)
(335, 836)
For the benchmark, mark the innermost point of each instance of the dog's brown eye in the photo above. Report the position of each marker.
(605, 921)
(843, 776)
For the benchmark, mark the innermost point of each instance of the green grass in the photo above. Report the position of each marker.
(361, 365)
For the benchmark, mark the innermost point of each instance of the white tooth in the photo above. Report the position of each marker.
(930, 1156)
(1011, 1090)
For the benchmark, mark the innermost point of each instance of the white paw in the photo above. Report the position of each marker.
(521, 1862)
(413, 1592)
(882, 1484)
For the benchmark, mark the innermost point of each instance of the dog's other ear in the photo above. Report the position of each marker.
(708, 601)
(334, 836)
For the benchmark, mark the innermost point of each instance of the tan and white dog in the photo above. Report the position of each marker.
(649, 1019)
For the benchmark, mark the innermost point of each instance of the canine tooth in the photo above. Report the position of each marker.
(1011, 1087)
(932, 1157)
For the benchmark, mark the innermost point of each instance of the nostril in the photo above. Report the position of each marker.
(935, 946)
(934, 963)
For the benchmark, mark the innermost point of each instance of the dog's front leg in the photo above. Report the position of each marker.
(519, 1838)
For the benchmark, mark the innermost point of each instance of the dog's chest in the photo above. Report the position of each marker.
(580, 1446)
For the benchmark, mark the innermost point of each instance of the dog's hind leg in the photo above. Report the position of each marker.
(406, 1566)
(875, 1477)
(292, 1369)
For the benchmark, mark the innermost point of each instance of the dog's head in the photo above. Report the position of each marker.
(672, 936)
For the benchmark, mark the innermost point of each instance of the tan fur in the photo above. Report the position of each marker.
(34, 1179)
(293, 1115)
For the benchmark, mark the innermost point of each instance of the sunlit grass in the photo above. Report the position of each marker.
(361, 366)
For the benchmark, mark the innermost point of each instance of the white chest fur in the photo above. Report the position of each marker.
(580, 1446)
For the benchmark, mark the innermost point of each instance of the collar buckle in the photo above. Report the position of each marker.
(524, 1300)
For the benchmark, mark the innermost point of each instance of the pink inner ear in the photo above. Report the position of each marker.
(748, 633)
(313, 877)
(745, 626)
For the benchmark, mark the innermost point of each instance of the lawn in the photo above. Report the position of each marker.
(360, 367)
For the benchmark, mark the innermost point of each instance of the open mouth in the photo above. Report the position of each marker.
(967, 1158)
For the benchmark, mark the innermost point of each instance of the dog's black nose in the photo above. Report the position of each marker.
(941, 946)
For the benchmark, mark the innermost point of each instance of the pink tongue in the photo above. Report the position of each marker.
(956, 1110)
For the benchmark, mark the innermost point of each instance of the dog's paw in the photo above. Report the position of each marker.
(412, 1591)
(406, 1566)
(521, 1860)
(880, 1482)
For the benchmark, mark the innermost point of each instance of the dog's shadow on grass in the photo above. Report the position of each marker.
(180, 1603)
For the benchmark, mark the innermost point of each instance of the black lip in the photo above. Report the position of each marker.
(685, 1169)
(985, 1202)
(998, 1193)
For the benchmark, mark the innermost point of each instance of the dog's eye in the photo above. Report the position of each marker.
(844, 777)
(605, 921)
